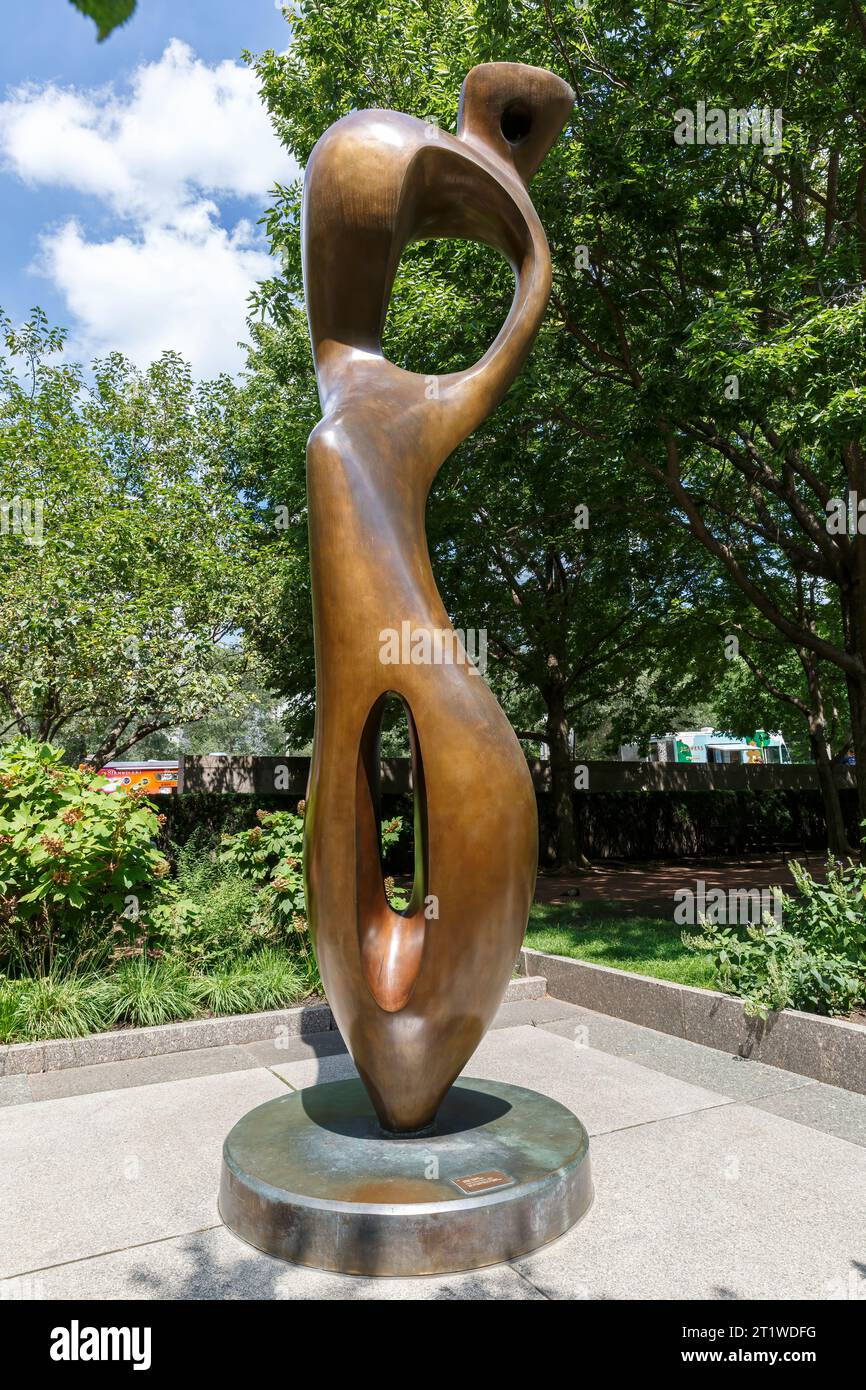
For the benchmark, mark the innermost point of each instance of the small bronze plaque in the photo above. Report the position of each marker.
(482, 1182)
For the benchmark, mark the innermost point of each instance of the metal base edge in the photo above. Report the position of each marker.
(380, 1239)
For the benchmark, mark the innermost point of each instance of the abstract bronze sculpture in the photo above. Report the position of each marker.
(414, 992)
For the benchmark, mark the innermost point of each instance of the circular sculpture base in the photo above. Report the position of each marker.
(311, 1177)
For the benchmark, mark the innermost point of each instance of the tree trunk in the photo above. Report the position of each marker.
(837, 839)
(568, 857)
(857, 707)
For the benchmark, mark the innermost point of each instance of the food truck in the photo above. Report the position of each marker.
(157, 776)
(711, 746)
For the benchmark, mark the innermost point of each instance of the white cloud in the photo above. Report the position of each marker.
(159, 158)
(161, 289)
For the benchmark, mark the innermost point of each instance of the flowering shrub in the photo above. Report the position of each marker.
(270, 857)
(75, 862)
(815, 959)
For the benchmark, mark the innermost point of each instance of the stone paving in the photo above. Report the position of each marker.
(716, 1177)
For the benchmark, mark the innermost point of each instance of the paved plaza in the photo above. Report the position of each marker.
(716, 1177)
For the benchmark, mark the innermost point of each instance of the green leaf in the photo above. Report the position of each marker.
(107, 15)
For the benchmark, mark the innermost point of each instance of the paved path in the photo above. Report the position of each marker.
(716, 1177)
(649, 885)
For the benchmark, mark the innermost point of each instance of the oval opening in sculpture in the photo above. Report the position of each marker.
(480, 314)
(516, 122)
(395, 741)
(391, 940)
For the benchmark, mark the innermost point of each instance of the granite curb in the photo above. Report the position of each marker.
(831, 1050)
(126, 1044)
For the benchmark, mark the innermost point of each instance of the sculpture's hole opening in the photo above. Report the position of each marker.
(516, 122)
(461, 291)
(400, 849)
(391, 931)
(395, 741)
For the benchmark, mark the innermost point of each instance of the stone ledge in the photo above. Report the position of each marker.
(125, 1044)
(831, 1050)
(525, 987)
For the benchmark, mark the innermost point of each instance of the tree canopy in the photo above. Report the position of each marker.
(123, 562)
(699, 376)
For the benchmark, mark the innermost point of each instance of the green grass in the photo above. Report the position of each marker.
(8, 1011)
(141, 993)
(145, 993)
(268, 980)
(50, 1006)
(603, 934)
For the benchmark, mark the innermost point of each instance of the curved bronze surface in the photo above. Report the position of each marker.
(412, 993)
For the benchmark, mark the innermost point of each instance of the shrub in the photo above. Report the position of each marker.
(224, 906)
(770, 967)
(75, 861)
(196, 867)
(207, 927)
(815, 959)
(228, 933)
(270, 856)
(831, 914)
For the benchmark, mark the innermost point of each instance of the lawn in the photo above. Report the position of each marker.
(605, 935)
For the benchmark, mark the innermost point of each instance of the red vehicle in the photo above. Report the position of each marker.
(158, 776)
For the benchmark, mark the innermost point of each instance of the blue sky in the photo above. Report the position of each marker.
(133, 172)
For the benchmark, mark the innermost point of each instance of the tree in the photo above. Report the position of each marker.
(251, 721)
(763, 681)
(271, 418)
(706, 335)
(570, 606)
(723, 295)
(123, 568)
(574, 600)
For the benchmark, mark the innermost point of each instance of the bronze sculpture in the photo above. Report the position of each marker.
(412, 993)
(418, 1170)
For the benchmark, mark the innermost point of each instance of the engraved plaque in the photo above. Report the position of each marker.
(482, 1182)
